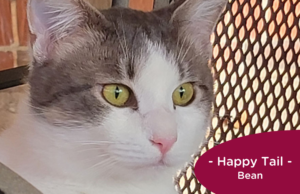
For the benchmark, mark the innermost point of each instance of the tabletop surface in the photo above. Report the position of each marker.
(11, 183)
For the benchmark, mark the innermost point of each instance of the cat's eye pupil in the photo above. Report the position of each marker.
(181, 91)
(183, 94)
(117, 92)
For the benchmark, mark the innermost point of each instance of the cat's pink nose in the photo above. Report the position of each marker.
(164, 144)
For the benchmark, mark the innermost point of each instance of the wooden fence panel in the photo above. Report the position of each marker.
(101, 4)
(144, 5)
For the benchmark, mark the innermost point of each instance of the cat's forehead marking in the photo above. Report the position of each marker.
(157, 77)
(156, 64)
(132, 39)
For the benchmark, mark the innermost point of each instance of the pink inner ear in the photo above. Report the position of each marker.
(39, 17)
(197, 19)
(37, 23)
(51, 20)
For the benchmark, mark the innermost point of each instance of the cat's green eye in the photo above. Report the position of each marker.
(183, 94)
(116, 94)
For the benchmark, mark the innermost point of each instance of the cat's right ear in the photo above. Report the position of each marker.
(51, 21)
(195, 21)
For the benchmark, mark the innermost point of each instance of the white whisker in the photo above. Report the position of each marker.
(124, 38)
(119, 39)
(187, 50)
(86, 159)
(180, 50)
(99, 163)
(110, 166)
(95, 142)
(89, 149)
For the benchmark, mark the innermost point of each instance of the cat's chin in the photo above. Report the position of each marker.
(150, 171)
(160, 164)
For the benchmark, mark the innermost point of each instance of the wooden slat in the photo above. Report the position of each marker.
(6, 35)
(23, 30)
(12, 77)
(23, 58)
(10, 182)
(6, 60)
(144, 5)
(120, 3)
(101, 4)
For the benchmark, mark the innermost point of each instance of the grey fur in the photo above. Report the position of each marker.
(62, 86)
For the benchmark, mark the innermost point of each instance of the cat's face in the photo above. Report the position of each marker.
(136, 85)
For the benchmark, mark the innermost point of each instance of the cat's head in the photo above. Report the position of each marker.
(136, 86)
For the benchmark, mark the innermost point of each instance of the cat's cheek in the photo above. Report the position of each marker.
(191, 126)
(130, 145)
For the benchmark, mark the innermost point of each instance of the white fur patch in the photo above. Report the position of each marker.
(156, 79)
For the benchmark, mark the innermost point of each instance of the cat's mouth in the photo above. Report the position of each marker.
(160, 163)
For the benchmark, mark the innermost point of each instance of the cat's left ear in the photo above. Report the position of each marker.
(51, 21)
(195, 21)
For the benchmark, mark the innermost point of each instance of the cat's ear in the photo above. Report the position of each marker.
(50, 21)
(196, 19)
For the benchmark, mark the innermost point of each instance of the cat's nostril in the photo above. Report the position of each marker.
(159, 145)
(164, 144)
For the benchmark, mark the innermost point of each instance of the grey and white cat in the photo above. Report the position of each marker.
(119, 99)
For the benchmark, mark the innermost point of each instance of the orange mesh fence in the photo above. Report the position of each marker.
(256, 65)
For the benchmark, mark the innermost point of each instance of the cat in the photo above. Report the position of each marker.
(119, 99)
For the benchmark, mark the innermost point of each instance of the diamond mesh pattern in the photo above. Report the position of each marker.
(256, 59)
